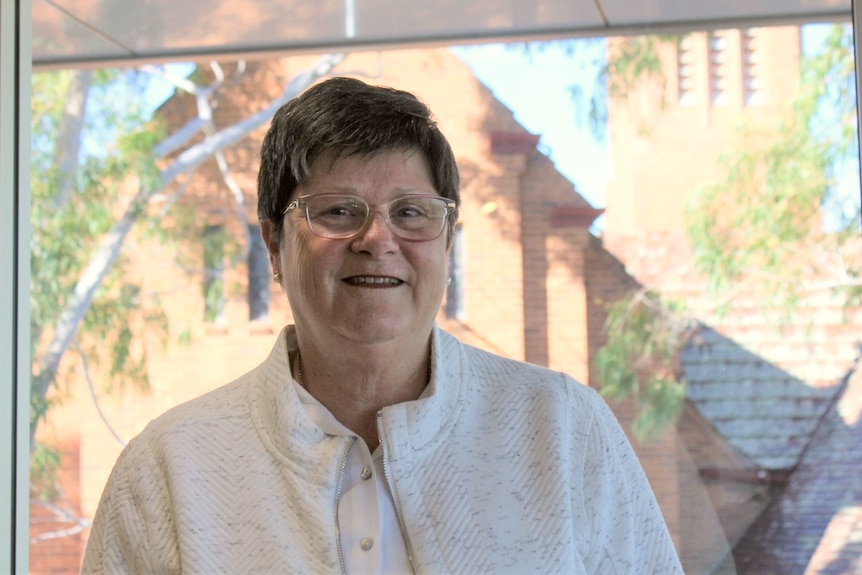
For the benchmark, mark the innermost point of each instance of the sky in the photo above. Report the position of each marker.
(537, 85)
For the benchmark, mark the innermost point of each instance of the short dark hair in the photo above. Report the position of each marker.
(346, 116)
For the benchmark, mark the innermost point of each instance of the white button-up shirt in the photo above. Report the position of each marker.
(371, 539)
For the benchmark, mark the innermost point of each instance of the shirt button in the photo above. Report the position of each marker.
(366, 544)
(365, 473)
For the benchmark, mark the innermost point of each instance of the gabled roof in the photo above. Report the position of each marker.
(767, 412)
(815, 526)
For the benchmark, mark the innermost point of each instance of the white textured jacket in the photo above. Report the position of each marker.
(504, 468)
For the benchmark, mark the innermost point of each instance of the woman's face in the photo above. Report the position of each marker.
(329, 281)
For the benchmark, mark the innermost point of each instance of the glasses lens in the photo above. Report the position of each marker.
(335, 216)
(342, 216)
(418, 217)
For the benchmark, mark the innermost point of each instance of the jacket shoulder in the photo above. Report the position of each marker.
(504, 372)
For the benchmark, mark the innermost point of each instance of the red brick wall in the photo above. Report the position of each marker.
(52, 552)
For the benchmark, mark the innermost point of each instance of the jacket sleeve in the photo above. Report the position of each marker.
(133, 530)
(627, 533)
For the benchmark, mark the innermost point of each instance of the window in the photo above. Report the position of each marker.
(454, 306)
(750, 67)
(648, 183)
(685, 70)
(213, 276)
(717, 49)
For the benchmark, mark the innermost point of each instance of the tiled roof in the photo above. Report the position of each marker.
(771, 385)
(766, 412)
(815, 526)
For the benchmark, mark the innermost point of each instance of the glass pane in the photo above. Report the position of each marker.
(736, 211)
(672, 220)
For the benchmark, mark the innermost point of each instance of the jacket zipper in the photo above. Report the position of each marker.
(342, 464)
(388, 478)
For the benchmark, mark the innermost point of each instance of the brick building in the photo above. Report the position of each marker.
(530, 281)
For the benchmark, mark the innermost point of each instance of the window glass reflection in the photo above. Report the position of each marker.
(702, 273)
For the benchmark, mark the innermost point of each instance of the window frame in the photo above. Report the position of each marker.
(15, 70)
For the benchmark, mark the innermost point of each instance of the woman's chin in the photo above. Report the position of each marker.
(379, 331)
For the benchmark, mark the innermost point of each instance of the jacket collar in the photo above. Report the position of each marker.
(426, 422)
(281, 421)
(285, 425)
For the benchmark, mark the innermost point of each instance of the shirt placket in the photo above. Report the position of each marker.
(359, 514)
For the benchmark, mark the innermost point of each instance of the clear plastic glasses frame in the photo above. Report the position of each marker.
(341, 216)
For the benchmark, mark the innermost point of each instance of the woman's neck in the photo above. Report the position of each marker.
(356, 386)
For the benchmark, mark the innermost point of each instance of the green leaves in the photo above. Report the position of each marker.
(631, 61)
(75, 204)
(764, 220)
(640, 359)
(44, 464)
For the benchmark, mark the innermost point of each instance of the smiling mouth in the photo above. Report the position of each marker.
(373, 281)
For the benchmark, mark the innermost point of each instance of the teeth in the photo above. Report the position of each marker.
(374, 280)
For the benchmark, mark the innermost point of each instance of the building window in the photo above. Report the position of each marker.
(717, 49)
(685, 71)
(258, 276)
(751, 94)
(454, 307)
(213, 280)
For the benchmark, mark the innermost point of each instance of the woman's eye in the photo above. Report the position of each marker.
(407, 213)
(338, 211)
(411, 211)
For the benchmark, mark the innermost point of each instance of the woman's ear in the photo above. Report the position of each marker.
(273, 243)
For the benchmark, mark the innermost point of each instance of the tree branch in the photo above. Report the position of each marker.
(197, 154)
(61, 515)
(95, 397)
(112, 243)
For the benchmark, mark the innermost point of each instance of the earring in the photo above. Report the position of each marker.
(449, 281)
(276, 277)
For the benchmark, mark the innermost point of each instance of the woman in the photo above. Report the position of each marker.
(370, 441)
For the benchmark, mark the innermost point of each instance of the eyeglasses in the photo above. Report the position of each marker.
(342, 216)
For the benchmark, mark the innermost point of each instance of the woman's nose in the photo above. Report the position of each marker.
(376, 234)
